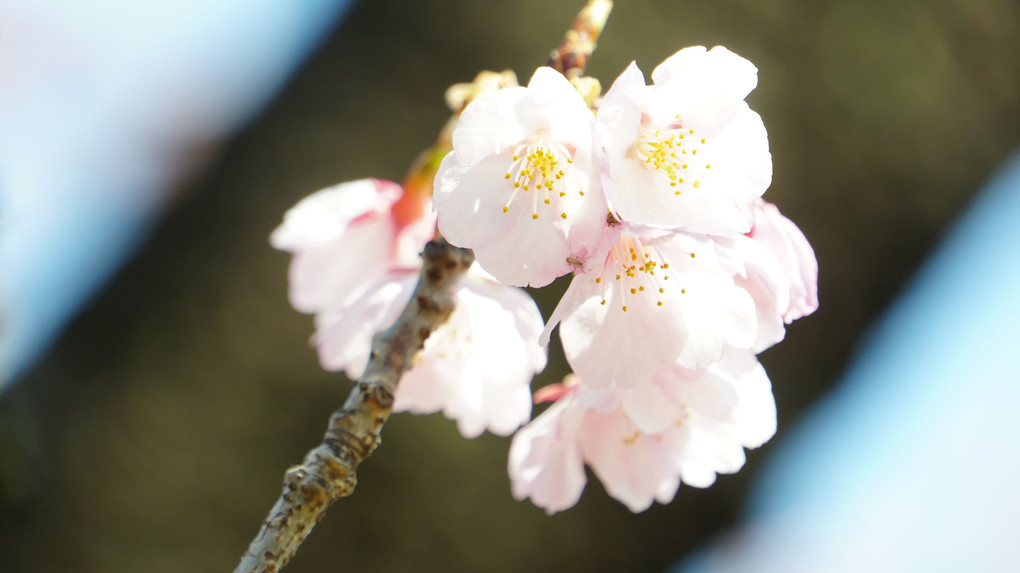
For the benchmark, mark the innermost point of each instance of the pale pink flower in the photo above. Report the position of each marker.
(781, 273)
(518, 187)
(356, 265)
(687, 426)
(687, 152)
(342, 238)
(476, 368)
(546, 462)
(647, 300)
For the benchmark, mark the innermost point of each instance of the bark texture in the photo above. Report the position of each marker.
(328, 471)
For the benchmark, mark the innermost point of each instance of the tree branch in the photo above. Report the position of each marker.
(328, 471)
(571, 57)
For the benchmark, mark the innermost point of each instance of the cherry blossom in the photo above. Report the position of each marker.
(687, 152)
(518, 187)
(682, 274)
(342, 239)
(546, 461)
(687, 426)
(648, 300)
(781, 273)
(476, 368)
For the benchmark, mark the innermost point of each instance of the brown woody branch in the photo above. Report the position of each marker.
(571, 57)
(328, 471)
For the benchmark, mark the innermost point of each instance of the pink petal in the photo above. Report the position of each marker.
(344, 338)
(329, 275)
(555, 105)
(682, 157)
(618, 121)
(469, 199)
(535, 255)
(412, 239)
(489, 125)
(517, 189)
(650, 408)
(606, 344)
(787, 243)
(641, 196)
(545, 459)
(476, 211)
(477, 368)
(634, 468)
(755, 415)
(717, 70)
(705, 447)
(325, 215)
(767, 283)
(717, 314)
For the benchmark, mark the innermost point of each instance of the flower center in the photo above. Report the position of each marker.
(540, 169)
(631, 267)
(672, 150)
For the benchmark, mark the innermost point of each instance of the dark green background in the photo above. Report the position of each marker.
(155, 435)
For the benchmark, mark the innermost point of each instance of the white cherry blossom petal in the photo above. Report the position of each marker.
(342, 240)
(781, 273)
(476, 368)
(630, 198)
(709, 447)
(651, 408)
(528, 262)
(480, 362)
(616, 336)
(686, 153)
(604, 400)
(325, 215)
(528, 323)
(517, 187)
(767, 283)
(793, 252)
(521, 235)
(555, 105)
(328, 275)
(717, 314)
(545, 459)
(619, 119)
(718, 70)
(635, 468)
(703, 391)
(741, 164)
(755, 415)
(689, 426)
(489, 125)
(651, 302)
(344, 337)
(617, 322)
(469, 211)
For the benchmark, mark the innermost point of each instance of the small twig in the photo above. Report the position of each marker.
(328, 471)
(571, 57)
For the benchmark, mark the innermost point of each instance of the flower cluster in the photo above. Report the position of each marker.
(355, 264)
(682, 274)
(651, 197)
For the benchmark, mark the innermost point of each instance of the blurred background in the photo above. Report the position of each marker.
(154, 433)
